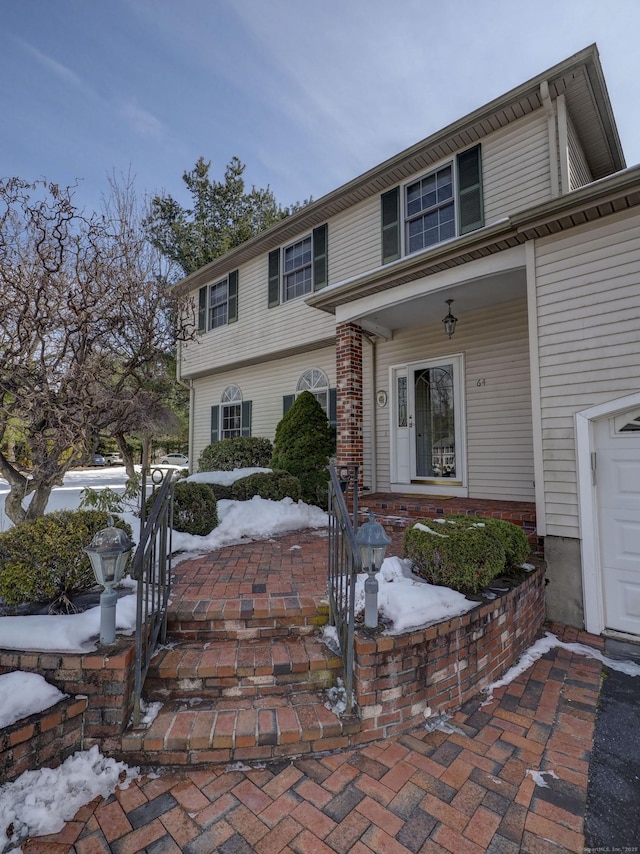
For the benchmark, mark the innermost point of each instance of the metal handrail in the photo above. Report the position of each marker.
(151, 567)
(343, 564)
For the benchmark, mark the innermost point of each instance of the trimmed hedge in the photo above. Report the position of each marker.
(238, 453)
(44, 560)
(195, 509)
(274, 485)
(513, 538)
(465, 558)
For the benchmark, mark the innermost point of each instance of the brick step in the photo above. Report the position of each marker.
(232, 730)
(246, 618)
(241, 668)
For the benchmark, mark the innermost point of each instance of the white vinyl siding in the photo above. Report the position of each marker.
(588, 329)
(497, 396)
(516, 167)
(264, 385)
(260, 332)
(354, 240)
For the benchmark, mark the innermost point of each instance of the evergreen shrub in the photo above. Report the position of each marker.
(465, 558)
(274, 485)
(238, 453)
(303, 444)
(513, 538)
(44, 560)
(195, 509)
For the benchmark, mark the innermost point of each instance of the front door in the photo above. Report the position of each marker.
(617, 465)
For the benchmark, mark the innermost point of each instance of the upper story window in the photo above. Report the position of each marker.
(298, 268)
(297, 279)
(218, 303)
(438, 206)
(430, 210)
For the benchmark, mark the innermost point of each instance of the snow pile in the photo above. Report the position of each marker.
(224, 478)
(23, 694)
(40, 802)
(408, 601)
(64, 632)
(259, 517)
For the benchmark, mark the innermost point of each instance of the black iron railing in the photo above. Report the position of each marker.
(344, 564)
(151, 568)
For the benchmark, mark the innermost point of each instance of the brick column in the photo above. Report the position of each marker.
(349, 406)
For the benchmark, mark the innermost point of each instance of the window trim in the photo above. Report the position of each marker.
(231, 302)
(318, 265)
(468, 201)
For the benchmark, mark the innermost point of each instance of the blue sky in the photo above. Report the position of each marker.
(307, 94)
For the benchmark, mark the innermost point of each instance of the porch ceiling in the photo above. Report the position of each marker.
(427, 307)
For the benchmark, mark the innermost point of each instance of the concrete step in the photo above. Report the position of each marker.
(241, 668)
(246, 618)
(240, 729)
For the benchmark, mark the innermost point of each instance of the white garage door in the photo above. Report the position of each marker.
(618, 495)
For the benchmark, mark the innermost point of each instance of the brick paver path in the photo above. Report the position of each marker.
(466, 791)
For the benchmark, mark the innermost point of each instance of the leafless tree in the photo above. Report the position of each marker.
(84, 318)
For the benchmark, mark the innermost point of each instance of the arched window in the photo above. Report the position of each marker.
(315, 381)
(231, 406)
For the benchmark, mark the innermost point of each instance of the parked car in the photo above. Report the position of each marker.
(114, 459)
(98, 460)
(181, 460)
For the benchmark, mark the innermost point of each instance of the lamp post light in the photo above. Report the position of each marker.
(108, 552)
(372, 542)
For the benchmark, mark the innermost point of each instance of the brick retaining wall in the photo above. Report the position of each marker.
(399, 678)
(44, 739)
(104, 677)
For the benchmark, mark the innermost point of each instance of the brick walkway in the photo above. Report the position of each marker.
(463, 792)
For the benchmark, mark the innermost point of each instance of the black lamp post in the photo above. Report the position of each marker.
(372, 542)
(108, 552)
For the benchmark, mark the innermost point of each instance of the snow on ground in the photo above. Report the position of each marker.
(40, 802)
(548, 642)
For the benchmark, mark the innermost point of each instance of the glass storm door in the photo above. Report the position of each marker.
(432, 421)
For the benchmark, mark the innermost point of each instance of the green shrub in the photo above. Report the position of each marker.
(195, 509)
(465, 558)
(513, 538)
(221, 491)
(303, 444)
(238, 453)
(45, 561)
(275, 485)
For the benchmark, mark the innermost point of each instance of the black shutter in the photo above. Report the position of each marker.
(202, 310)
(287, 402)
(320, 267)
(232, 286)
(215, 417)
(333, 415)
(246, 417)
(390, 202)
(274, 278)
(470, 204)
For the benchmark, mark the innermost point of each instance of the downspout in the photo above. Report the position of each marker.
(186, 384)
(551, 130)
(374, 432)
